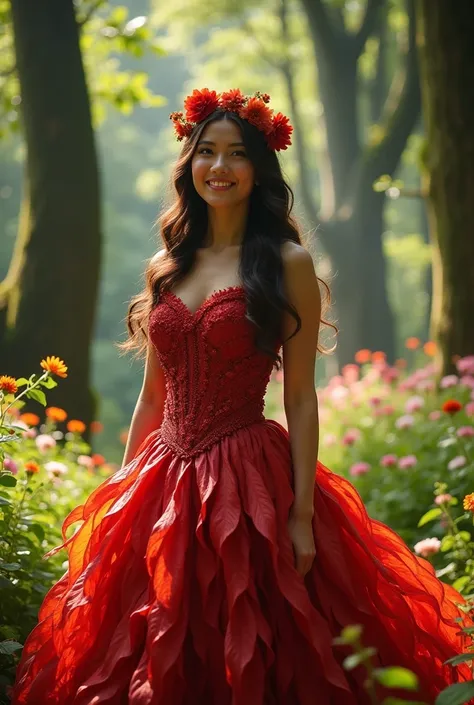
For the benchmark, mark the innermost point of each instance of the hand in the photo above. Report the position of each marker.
(300, 530)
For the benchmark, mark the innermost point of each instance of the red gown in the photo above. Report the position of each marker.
(182, 587)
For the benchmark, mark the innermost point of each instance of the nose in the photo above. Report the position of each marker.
(220, 164)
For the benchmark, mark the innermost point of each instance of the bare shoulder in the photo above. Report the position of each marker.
(159, 256)
(299, 273)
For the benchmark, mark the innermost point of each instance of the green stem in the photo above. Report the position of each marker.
(17, 514)
(28, 388)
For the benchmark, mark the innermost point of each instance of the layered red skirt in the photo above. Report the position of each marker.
(182, 590)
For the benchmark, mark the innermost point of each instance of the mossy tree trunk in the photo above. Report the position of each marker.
(49, 296)
(447, 65)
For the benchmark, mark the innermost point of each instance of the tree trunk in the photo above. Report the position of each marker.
(54, 273)
(447, 62)
(352, 226)
(364, 317)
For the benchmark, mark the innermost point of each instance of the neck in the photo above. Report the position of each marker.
(226, 227)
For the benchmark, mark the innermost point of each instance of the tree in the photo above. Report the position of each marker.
(447, 64)
(352, 229)
(48, 298)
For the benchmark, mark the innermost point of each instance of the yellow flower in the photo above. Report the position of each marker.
(468, 502)
(54, 365)
(75, 426)
(8, 384)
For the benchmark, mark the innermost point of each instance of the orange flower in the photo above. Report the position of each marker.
(56, 414)
(279, 136)
(75, 426)
(363, 356)
(452, 406)
(98, 459)
(401, 363)
(379, 356)
(232, 100)
(32, 467)
(200, 104)
(258, 114)
(430, 348)
(97, 427)
(54, 365)
(412, 343)
(8, 384)
(124, 436)
(468, 502)
(30, 419)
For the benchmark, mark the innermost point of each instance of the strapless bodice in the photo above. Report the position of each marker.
(216, 378)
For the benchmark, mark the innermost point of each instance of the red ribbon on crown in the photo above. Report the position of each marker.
(200, 104)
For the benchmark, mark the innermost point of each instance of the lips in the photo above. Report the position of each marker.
(219, 185)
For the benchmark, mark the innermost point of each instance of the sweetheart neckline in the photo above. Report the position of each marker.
(212, 296)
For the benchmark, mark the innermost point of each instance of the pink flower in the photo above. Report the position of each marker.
(31, 433)
(350, 373)
(358, 469)
(390, 374)
(458, 462)
(387, 410)
(465, 431)
(467, 381)
(434, 415)
(425, 385)
(85, 460)
(388, 461)
(465, 365)
(10, 465)
(469, 408)
(449, 381)
(443, 499)
(351, 436)
(405, 421)
(408, 461)
(330, 439)
(427, 547)
(375, 401)
(45, 442)
(414, 403)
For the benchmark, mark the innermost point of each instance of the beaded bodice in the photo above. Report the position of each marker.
(215, 376)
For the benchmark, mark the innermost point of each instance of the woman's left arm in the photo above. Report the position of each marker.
(300, 400)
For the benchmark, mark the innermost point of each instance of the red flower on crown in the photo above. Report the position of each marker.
(254, 109)
(280, 135)
(200, 104)
(258, 114)
(233, 100)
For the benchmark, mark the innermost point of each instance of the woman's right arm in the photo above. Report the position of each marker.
(149, 408)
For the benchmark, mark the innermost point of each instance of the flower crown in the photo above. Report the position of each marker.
(200, 104)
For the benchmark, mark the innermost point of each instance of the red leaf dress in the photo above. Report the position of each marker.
(182, 587)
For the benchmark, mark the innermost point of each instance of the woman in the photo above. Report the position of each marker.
(219, 564)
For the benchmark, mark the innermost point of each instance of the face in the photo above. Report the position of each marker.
(223, 175)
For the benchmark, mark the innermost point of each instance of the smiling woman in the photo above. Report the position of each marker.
(222, 173)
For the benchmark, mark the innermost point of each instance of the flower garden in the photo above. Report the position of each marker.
(404, 437)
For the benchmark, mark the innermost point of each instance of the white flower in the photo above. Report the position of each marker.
(405, 421)
(427, 547)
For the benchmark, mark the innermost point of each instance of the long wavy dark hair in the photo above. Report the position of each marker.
(184, 229)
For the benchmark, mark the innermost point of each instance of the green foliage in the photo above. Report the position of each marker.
(42, 478)
(107, 34)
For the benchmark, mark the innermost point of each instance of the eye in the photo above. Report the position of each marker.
(204, 150)
(240, 153)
